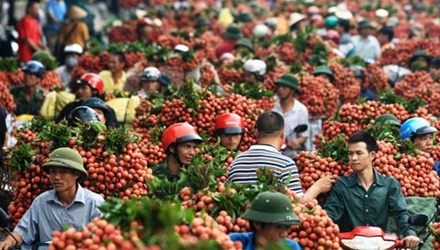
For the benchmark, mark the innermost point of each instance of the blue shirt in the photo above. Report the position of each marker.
(247, 239)
(244, 167)
(58, 9)
(48, 214)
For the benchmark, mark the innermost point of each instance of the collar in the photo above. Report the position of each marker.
(263, 147)
(79, 196)
(278, 105)
(353, 180)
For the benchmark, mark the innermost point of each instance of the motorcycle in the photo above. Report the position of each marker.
(370, 237)
(4, 223)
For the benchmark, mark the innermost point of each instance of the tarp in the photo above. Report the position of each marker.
(419, 205)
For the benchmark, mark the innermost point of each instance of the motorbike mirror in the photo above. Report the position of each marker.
(418, 219)
(4, 219)
(301, 128)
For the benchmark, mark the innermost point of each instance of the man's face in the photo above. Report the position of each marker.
(358, 156)
(284, 92)
(115, 64)
(231, 142)
(63, 179)
(31, 80)
(435, 73)
(382, 38)
(84, 92)
(151, 86)
(249, 77)
(364, 32)
(101, 115)
(272, 233)
(186, 152)
(33, 10)
(424, 142)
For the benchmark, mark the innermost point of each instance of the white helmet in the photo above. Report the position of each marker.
(255, 66)
(260, 30)
(150, 74)
(181, 48)
(73, 48)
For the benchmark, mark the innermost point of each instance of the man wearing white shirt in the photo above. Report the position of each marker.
(366, 46)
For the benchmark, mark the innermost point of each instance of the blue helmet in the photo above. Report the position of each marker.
(415, 126)
(34, 67)
(331, 21)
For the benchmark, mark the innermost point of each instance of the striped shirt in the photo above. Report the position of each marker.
(244, 168)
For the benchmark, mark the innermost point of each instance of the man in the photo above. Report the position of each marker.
(114, 78)
(90, 85)
(434, 69)
(230, 128)
(29, 33)
(324, 72)
(105, 113)
(359, 75)
(420, 61)
(271, 217)
(346, 46)
(231, 36)
(254, 70)
(71, 54)
(150, 82)
(179, 141)
(366, 197)
(265, 154)
(366, 46)
(294, 113)
(420, 132)
(29, 97)
(385, 38)
(67, 204)
(56, 11)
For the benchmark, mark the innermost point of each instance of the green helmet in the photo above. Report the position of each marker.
(387, 119)
(244, 42)
(66, 158)
(290, 81)
(272, 208)
(330, 22)
(322, 69)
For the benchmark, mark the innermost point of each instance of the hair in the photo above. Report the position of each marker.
(388, 31)
(366, 138)
(435, 62)
(269, 123)
(30, 3)
(121, 57)
(345, 24)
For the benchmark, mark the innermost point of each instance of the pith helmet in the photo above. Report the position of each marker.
(272, 208)
(66, 158)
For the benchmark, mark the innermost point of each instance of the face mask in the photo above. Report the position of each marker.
(71, 62)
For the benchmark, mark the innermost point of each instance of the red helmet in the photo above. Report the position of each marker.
(229, 124)
(332, 35)
(93, 80)
(179, 133)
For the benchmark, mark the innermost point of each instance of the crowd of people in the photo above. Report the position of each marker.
(64, 29)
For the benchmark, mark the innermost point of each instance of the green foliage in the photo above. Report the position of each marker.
(335, 148)
(188, 94)
(157, 218)
(46, 59)
(165, 190)
(117, 139)
(385, 132)
(8, 64)
(58, 134)
(319, 54)
(20, 157)
(389, 97)
(301, 42)
(251, 90)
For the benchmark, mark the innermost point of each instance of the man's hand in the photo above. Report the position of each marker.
(5, 245)
(324, 184)
(411, 241)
